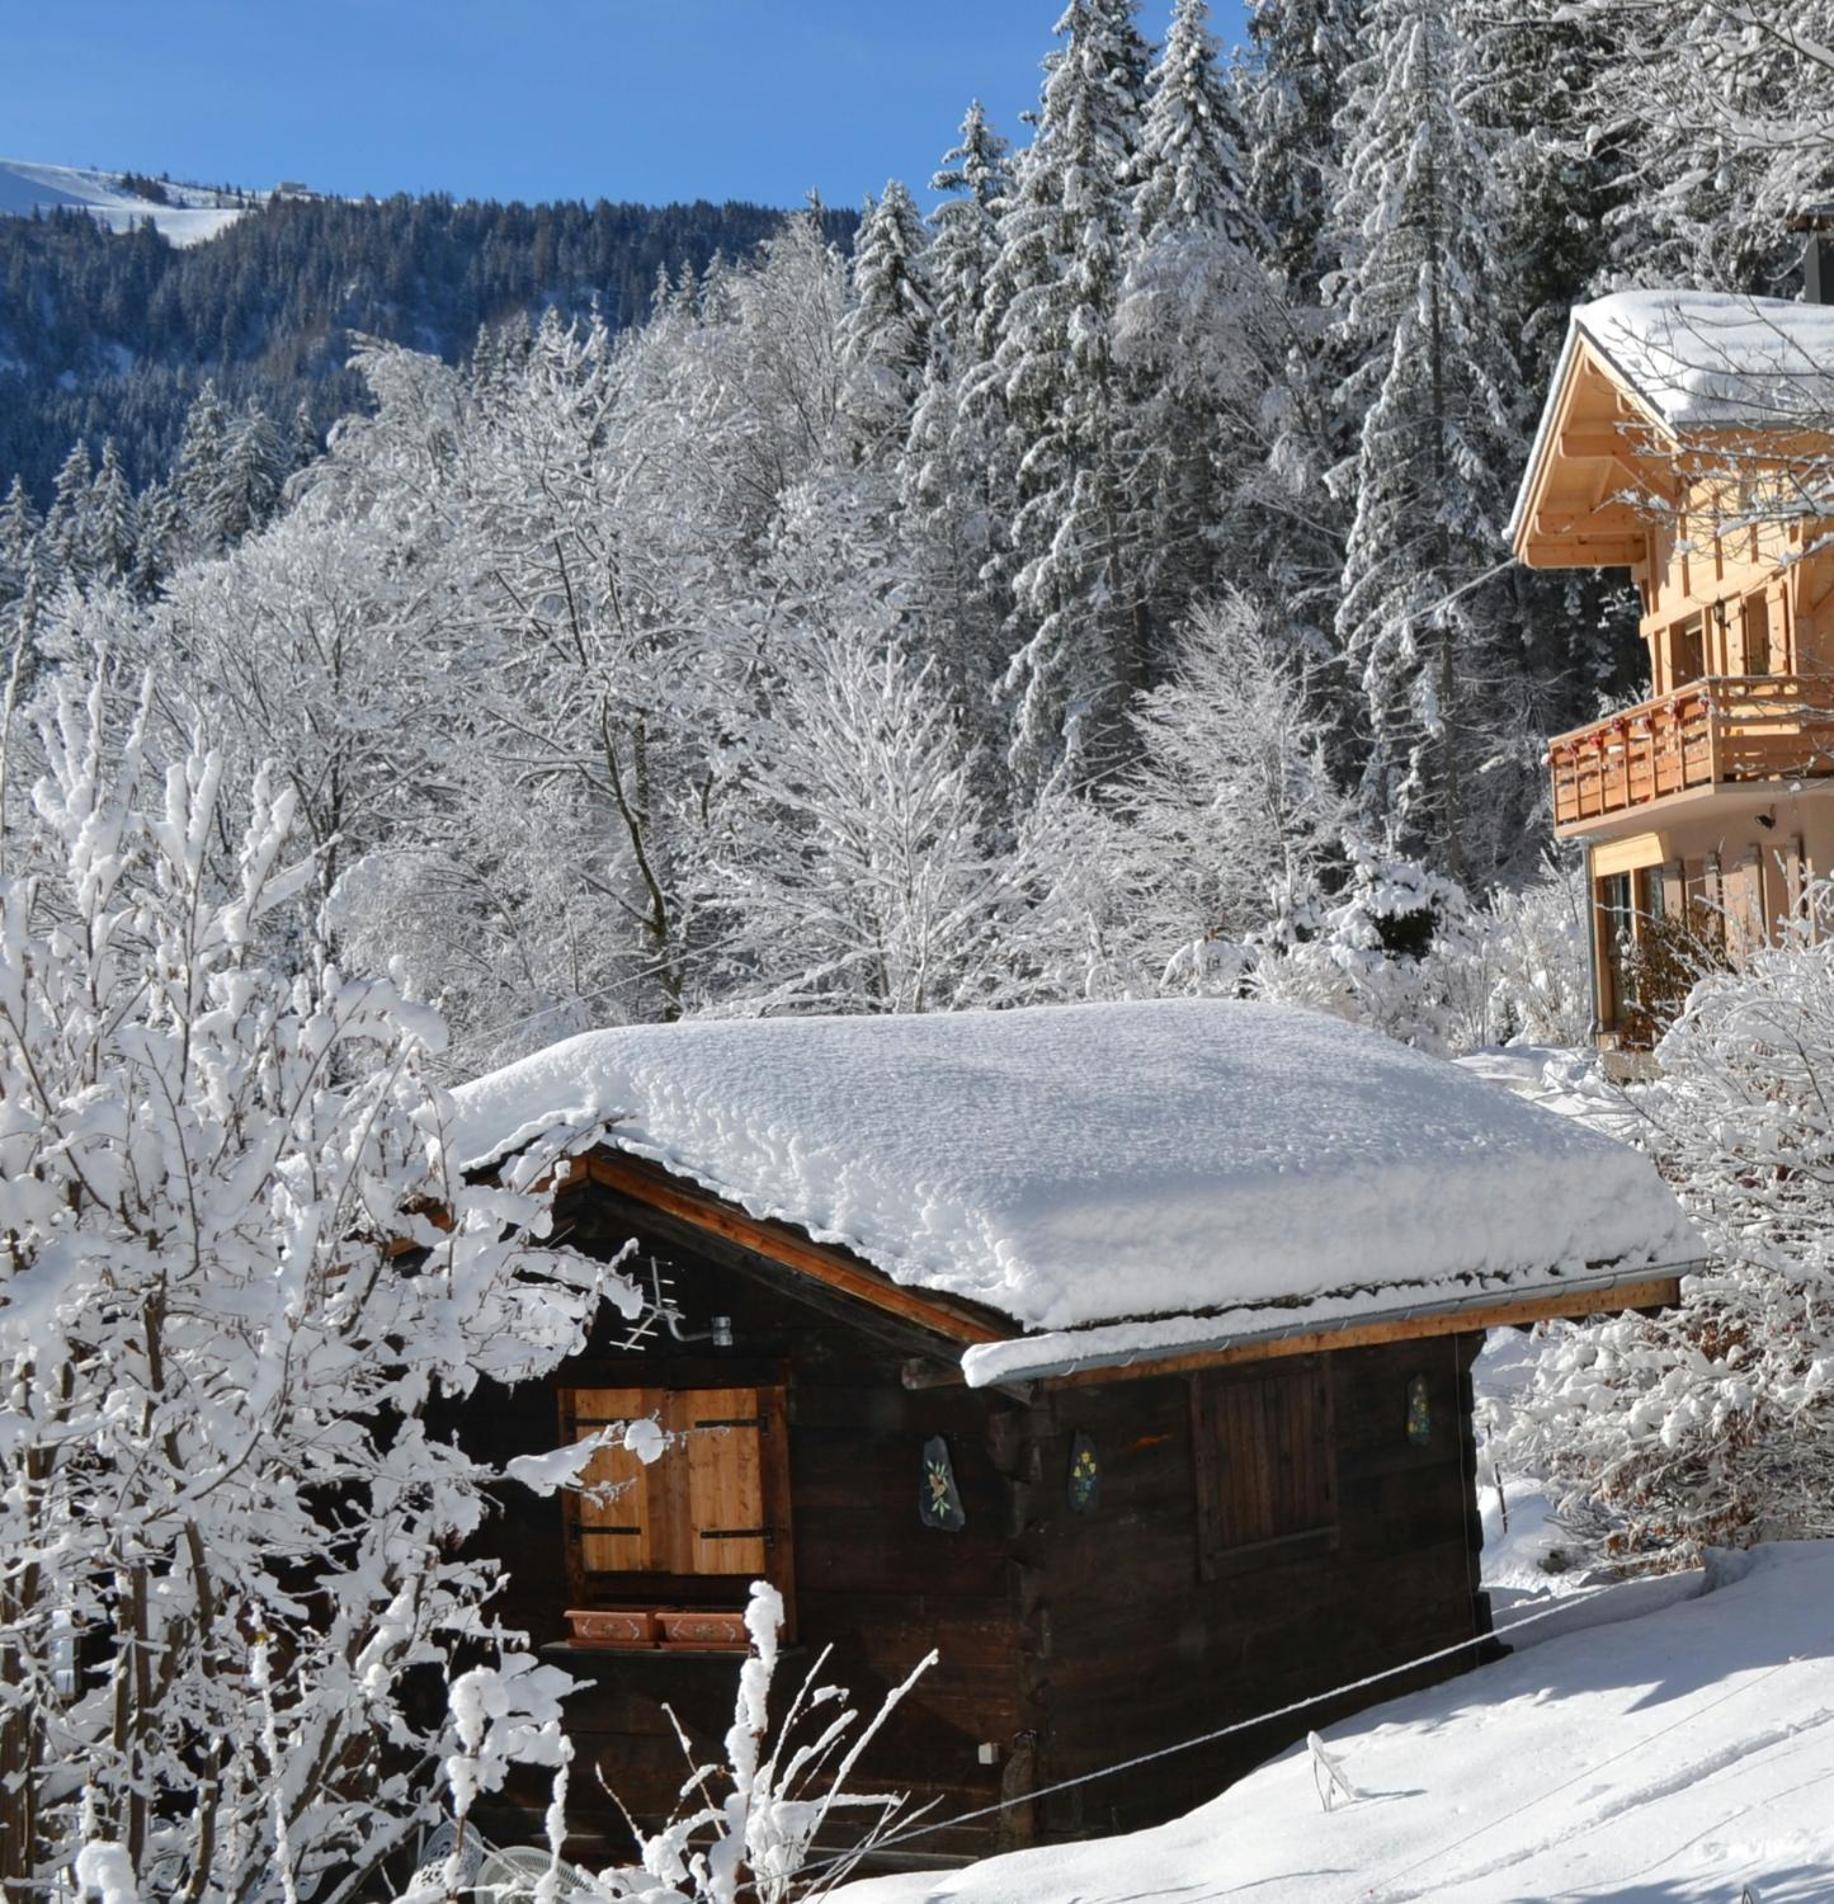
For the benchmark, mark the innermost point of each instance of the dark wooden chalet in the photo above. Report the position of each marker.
(1120, 1524)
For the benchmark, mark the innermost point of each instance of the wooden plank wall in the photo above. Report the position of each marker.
(1070, 1642)
(871, 1581)
(1128, 1649)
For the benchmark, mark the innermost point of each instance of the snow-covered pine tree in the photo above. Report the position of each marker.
(965, 235)
(951, 502)
(886, 337)
(159, 528)
(248, 486)
(1077, 628)
(19, 527)
(1196, 325)
(112, 516)
(302, 442)
(1435, 444)
(197, 471)
(1189, 175)
(1292, 93)
(69, 530)
(1561, 190)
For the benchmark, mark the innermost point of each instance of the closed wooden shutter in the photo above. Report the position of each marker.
(724, 1530)
(699, 1508)
(1265, 1466)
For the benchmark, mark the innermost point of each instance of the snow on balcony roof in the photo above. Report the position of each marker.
(1072, 1166)
(1702, 360)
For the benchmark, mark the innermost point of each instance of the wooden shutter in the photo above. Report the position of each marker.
(1265, 1463)
(620, 1535)
(700, 1508)
(723, 1529)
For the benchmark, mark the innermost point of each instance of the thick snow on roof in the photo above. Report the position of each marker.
(1081, 1165)
(1706, 359)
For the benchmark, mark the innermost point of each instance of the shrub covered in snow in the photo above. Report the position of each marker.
(226, 1533)
(747, 1829)
(1715, 1424)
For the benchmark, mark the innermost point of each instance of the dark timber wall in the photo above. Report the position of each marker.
(1068, 1642)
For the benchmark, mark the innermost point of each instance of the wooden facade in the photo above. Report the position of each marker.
(1709, 807)
(1122, 1560)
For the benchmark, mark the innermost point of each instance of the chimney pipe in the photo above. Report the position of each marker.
(1816, 224)
(1818, 269)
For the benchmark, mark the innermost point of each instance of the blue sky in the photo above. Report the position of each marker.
(632, 99)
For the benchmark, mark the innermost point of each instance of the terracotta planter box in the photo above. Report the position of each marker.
(606, 1626)
(707, 1632)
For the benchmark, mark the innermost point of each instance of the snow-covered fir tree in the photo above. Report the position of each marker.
(886, 337)
(965, 235)
(1078, 633)
(1435, 442)
(113, 528)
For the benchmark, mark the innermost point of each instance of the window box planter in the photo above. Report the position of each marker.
(611, 1627)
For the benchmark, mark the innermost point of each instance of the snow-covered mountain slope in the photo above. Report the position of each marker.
(1671, 1759)
(195, 212)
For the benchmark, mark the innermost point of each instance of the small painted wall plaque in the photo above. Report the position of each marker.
(1085, 1488)
(939, 1501)
(1419, 1413)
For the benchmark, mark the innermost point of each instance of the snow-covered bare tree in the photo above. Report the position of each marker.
(865, 882)
(1230, 802)
(228, 1540)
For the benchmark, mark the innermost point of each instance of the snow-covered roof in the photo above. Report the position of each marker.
(1708, 359)
(1113, 1169)
(1701, 360)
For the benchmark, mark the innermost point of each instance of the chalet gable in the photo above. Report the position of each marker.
(1645, 380)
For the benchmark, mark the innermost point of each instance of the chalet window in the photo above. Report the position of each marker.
(1757, 634)
(1686, 654)
(1266, 1466)
(696, 1525)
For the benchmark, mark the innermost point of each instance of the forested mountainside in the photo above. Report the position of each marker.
(1097, 587)
(112, 334)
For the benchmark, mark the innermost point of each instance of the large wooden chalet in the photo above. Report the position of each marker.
(1122, 1354)
(1680, 442)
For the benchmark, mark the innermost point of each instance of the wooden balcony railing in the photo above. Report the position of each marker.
(1726, 728)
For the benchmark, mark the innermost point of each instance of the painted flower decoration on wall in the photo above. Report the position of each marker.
(1085, 1476)
(939, 1501)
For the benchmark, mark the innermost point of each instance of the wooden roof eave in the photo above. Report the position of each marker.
(1590, 529)
(1455, 1316)
(956, 1324)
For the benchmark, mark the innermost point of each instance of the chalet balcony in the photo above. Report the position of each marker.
(1725, 729)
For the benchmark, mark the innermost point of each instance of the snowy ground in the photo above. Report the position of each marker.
(1678, 1756)
(194, 214)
